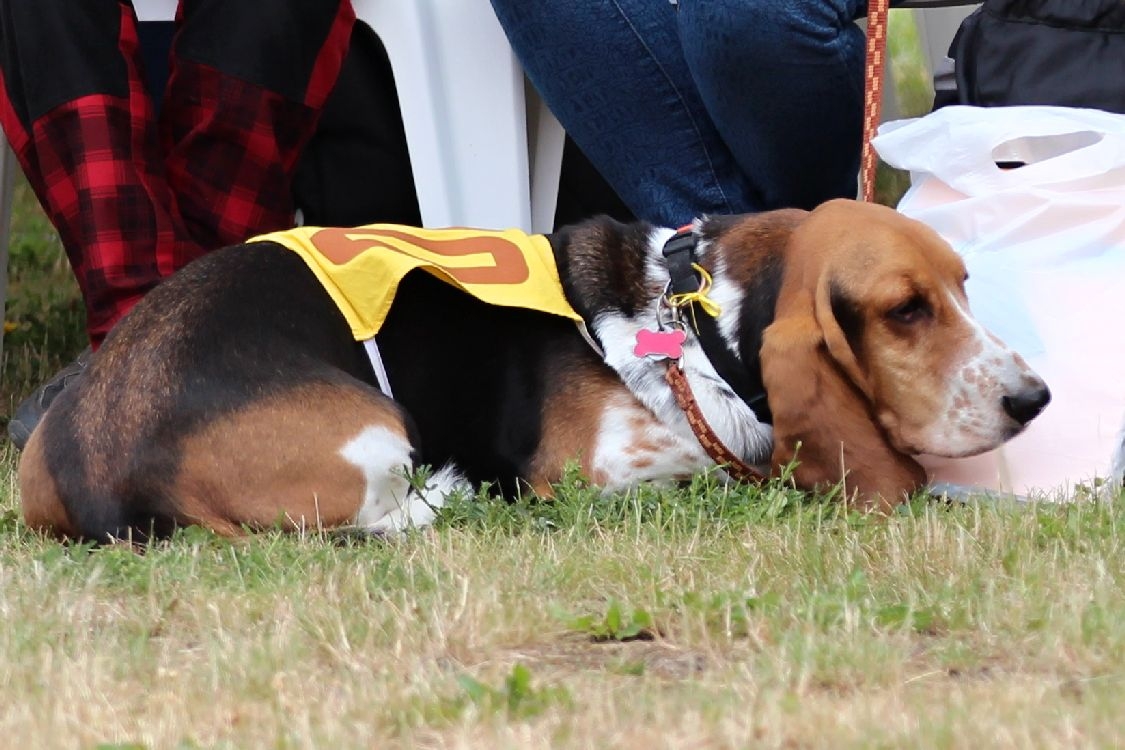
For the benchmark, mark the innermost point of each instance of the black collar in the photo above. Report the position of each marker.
(744, 378)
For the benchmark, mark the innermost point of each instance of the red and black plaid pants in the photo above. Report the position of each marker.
(133, 196)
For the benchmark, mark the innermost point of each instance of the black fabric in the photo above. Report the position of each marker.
(584, 193)
(1058, 52)
(55, 51)
(679, 256)
(356, 168)
(156, 42)
(274, 45)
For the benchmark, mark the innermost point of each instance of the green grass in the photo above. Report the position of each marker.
(44, 317)
(700, 617)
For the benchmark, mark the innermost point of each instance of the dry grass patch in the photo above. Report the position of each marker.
(693, 618)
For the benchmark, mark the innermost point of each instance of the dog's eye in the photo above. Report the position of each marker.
(913, 310)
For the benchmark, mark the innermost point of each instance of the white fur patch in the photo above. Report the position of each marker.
(389, 502)
(974, 419)
(728, 296)
(729, 416)
(632, 447)
(421, 506)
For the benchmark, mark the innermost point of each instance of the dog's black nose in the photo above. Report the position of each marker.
(1026, 405)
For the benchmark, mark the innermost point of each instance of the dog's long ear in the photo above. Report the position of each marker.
(841, 324)
(792, 375)
(816, 405)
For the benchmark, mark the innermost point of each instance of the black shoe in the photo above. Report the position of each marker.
(32, 408)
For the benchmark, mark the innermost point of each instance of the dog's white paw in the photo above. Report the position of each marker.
(419, 507)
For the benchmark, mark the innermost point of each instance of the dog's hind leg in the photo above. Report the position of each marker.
(42, 505)
(320, 456)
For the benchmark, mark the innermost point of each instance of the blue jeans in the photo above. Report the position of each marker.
(711, 106)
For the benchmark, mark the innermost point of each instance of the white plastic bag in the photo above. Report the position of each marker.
(1045, 248)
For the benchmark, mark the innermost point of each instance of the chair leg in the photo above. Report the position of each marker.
(936, 26)
(546, 142)
(7, 187)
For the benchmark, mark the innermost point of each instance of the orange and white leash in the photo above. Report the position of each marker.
(876, 62)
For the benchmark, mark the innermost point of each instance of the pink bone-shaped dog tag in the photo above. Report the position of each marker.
(660, 344)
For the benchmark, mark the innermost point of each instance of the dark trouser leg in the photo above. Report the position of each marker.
(246, 89)
(132, 207)
(75, 111)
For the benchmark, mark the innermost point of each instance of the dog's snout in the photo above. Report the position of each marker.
(1026, 405)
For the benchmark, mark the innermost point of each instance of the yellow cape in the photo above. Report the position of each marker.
(361, 267)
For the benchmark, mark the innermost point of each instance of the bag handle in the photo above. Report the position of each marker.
(960, 145)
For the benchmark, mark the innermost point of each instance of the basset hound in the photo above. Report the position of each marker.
(275, 382)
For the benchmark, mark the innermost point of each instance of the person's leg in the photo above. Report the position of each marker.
(87, 139)
(75, 110)
(247, 86)
(614, 74)
(783, 82)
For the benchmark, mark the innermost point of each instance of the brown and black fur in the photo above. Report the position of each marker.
(251, 325)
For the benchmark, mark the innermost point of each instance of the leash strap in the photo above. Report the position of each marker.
(715, 448)
(874, 66)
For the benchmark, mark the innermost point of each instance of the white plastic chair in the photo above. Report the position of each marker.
(484, 150)
(468, 120)
(937, 22)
